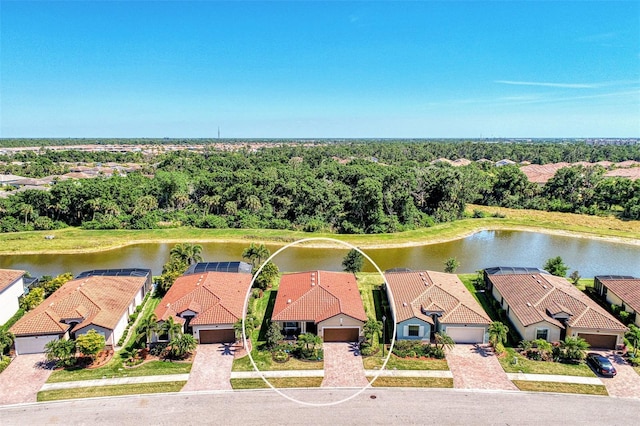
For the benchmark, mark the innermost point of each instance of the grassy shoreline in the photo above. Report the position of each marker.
(76, 240)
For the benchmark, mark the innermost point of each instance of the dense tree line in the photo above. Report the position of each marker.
(339, 188)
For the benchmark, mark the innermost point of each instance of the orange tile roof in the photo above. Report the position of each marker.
(417, 292)
(8, 277)
(215, 297)
(626, 289)
(316, 296)
(94, 300)
(536, 297)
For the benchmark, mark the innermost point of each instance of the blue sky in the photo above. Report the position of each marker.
(320, 69)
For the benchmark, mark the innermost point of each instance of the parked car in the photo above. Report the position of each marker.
(601, 365)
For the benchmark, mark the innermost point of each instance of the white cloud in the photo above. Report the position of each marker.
(545, 84)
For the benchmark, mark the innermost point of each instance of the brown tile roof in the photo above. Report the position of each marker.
(215, 297)
(626, 289)
(8, 277)
(316, 296)
(415, 293)
(536, 297)
(95, 300)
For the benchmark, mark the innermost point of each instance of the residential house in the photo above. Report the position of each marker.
(620, 290)
(321, 302)
(427, 302)
(11, 288)
(543, 306)
(99, 300)
(206, 304)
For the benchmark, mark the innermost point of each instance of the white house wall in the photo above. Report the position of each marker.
(9, 300)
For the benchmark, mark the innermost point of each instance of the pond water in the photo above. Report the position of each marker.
(481, 250)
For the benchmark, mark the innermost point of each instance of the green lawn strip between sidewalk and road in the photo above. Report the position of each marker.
(528, 366)
(412, 382)
(396, 363)
(277, 382)
(117, 390)
(77, 240)
(525, 385)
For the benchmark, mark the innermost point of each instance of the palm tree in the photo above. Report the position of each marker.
(6, 339)
(27, 210)
(444, 340)
(498, 333)
(573, 348)
(171, 327)
(187, 253)
(210, 201)
(633, 336)
(146, 327)
(256, 254)
(95, 204)
(182, 345)
(253, 203)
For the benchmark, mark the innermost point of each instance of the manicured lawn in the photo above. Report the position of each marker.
(525, 365)
(133, 389)
(264, 362)
(277, 382)
(412, 382)
(75, 240)
(396, 363)
(116, 369)
(525, 385)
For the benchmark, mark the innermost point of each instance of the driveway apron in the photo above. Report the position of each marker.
(343, 366)
(626, 383)
(23, 378)
(211, 368)
(475, 367)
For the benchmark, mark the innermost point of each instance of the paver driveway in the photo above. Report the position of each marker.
(343, 366)
(211, 368)
(23, 378)
(475, 367)
(626, 383)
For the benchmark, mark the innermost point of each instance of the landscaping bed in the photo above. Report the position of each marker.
(528, 366)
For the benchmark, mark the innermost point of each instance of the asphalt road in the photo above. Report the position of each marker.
(374, 406)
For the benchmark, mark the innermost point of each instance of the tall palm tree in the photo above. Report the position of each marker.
(172, 328)
(256, 254)
(146, 327)
(27, 210)
(253, 203)
(498, 332)
(633, 335)
(210, 201)
(187, 253)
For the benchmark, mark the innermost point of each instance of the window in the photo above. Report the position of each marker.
(542, 333)
(414, 331)
(290, 325)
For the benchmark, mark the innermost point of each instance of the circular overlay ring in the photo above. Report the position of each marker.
(391, 304)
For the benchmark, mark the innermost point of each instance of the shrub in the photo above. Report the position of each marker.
(133, 317)
(280, 356)
(478, 214)
(4, 362)
(158, 349)
(499, 348)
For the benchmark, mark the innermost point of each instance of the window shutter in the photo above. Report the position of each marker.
(405, 330)
(421, 331)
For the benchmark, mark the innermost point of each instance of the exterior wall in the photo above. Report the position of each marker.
(107, 333)
(530, 331)
(402, 329)
(573, 331)
(485, 339)
(613, 299)
(335, 322)
(9, 300)
(137, 300)
(197, 328)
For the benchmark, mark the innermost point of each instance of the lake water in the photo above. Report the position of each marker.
(481, 250)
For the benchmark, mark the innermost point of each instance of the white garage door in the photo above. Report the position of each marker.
(32, 345)
(466, 334)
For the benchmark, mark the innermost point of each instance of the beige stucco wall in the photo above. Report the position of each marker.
(334, 322)
(613, 298)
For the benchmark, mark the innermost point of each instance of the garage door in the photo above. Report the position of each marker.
(217, 336)
(600, 340)
(33, 344)
(466, 334)
(343, 334)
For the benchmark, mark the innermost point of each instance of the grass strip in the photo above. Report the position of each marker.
(397, 363)
(412, 382)
(277, 382)
(133, 389)
(528, 366)
(116, 370)
(525, 385)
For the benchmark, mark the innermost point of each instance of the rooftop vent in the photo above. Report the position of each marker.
(528, 304)
(288, 301)
(544, 286)
(404, 304)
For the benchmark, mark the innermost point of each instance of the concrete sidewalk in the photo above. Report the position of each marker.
(112, 382)
(554, 378)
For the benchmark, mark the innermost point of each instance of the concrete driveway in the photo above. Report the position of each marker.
(23, 378)
(343, 366)
(476, 367)
(626, 383)
(211, 368)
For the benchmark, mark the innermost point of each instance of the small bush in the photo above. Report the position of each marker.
(133, 317)
(4, 362)
(499, 215)
(478, 214)
(158, 349)
(499, 348)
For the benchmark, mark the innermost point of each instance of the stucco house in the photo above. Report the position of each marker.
(543, 306)
(99, 300)
(427, 302)
(206, 304)
(620, 290)
(320, 302)
(11, 288)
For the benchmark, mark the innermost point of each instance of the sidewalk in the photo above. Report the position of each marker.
(554, 378)
(119, 381)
